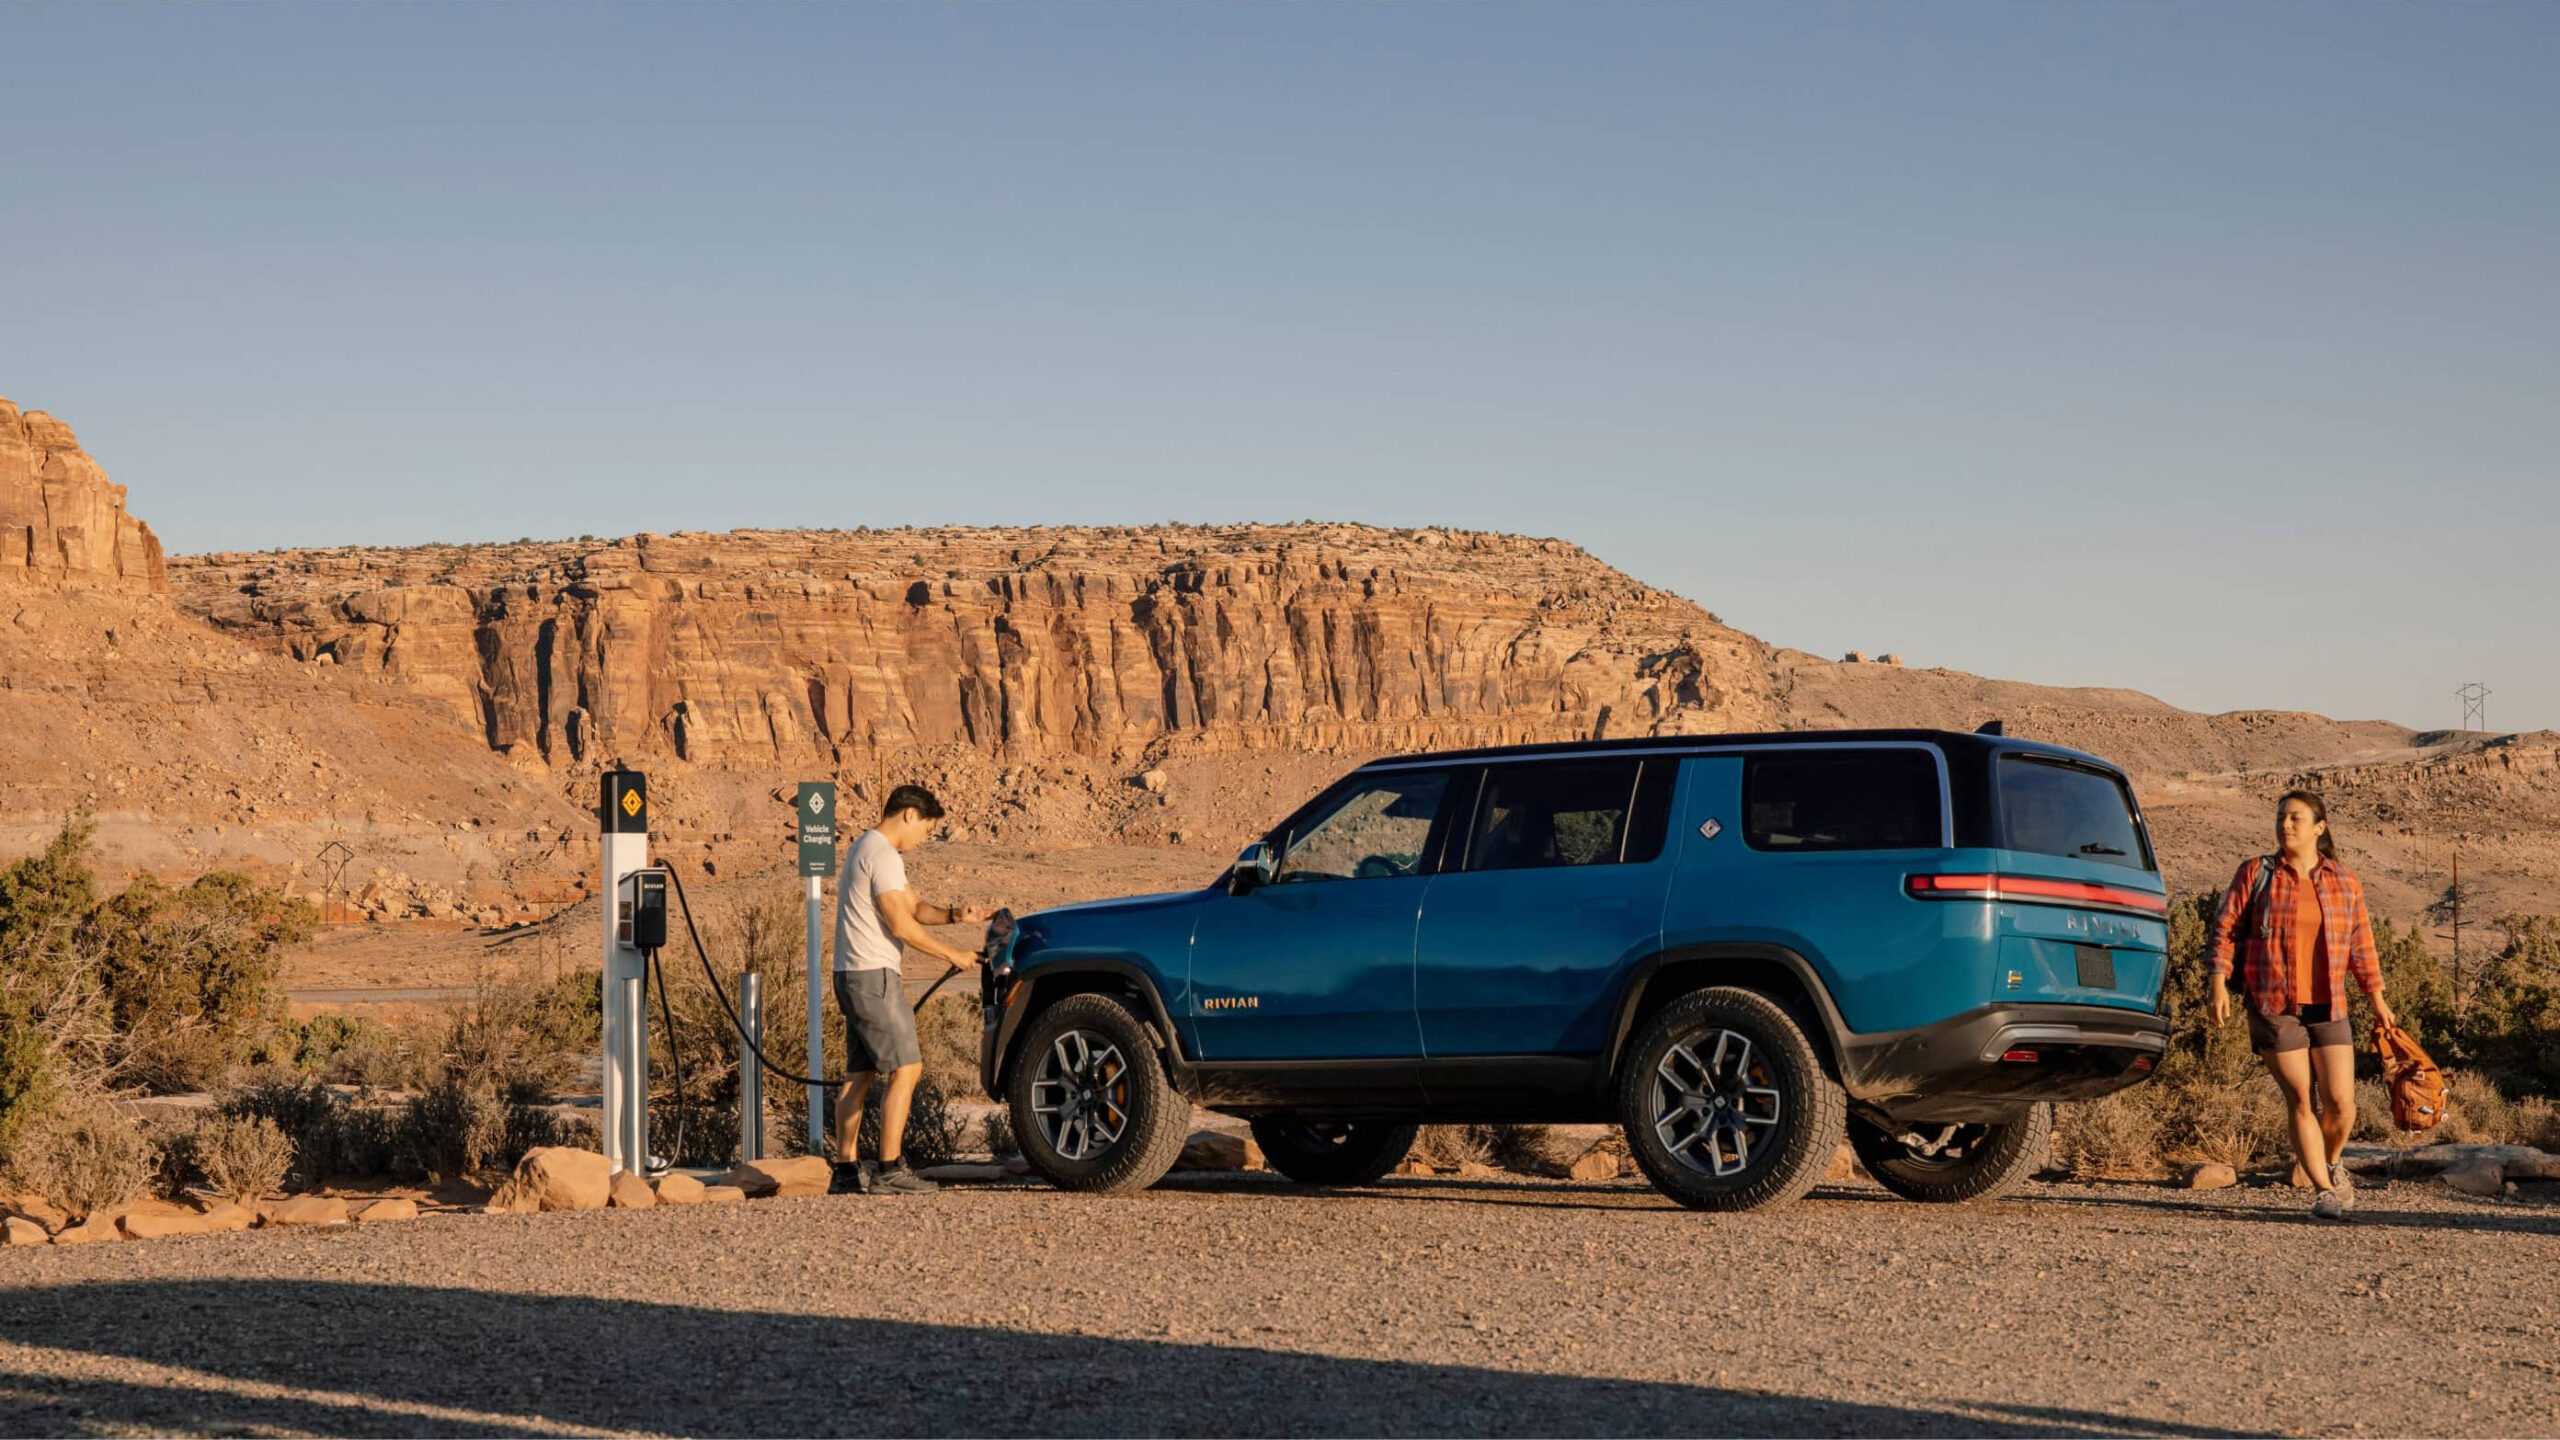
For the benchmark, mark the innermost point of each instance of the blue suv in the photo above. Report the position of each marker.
(1736, 947)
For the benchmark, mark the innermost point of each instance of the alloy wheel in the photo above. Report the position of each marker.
(1081, 1095)
(1714, 1106)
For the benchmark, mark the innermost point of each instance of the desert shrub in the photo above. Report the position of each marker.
(244, 1158)
(191, 974)
(84, 1154)
(526, 1029)
(1525, 1149)
(1446, 1147)
(2115, 1137)
(934, 1131)
(1001, 1142)
(2474, 1111)
(947, 1030)
(48, 995)
(354, 1050)
(2537, 1123)
(2511, 1026)
(304, 1111)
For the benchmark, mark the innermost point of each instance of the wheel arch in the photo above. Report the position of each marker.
(1119, 976)
(1773, 970)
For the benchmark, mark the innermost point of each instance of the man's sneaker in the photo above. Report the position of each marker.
(896, 1179)
(2332, 1205)
(850, 1179)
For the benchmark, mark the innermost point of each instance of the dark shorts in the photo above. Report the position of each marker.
(2305, 1027)
(879, 1024)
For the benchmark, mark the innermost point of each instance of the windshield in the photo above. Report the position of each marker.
(2053, 807)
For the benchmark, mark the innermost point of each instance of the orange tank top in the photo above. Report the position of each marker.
(2310, 941)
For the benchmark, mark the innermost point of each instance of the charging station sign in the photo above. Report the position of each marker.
(817, 807)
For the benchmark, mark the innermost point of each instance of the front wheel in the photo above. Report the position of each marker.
(1726, 1104)
(1948, 1164)
(1092, 1109)
(1323, 1152)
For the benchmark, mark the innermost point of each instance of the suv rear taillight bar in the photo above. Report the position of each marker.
(2032, 890)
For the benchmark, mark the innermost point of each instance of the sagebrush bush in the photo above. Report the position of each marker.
(1001, 1142)
(85, 1154)
(243, 1157)
(354, 1050)
(1446, 1147)
(2116, 1137)
(935, 1133)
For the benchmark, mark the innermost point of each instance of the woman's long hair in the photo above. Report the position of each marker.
(2319, 812)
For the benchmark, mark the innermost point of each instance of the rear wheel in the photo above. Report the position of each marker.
(1726, 1104)
(1947, 1164)
(1091, 1106)
(1331, 1152)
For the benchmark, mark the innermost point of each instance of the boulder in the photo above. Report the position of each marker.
(1596, 1165)
(630, 1192)
(1415, 1167)
(2480, 1177)
(96, 1228)
(19, 1230)
(395, 1207)
(1155, 782)
(2216, 1176)
(153, 1221)
(2537, 1166)
(37, 1209)
(1216, 1150)
(555, 1177)
(782, 1179)
(302, 1210)
(677, 1188)
(228, 1217)
(722, 1195)
(1477, 1170)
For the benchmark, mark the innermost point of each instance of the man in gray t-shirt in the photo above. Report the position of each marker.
(875, 911)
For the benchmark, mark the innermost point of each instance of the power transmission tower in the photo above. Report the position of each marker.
(2475, 706)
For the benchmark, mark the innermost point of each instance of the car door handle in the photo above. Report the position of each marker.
(1596, 904)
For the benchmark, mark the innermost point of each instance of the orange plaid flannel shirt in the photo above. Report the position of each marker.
(2265, 977)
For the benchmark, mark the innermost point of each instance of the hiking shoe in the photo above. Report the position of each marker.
(897, 1179)
(850, 1179)
(2332, 1205)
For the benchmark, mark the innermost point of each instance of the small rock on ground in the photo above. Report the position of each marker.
(390, 1208)
(678, 1188)
(630, 1192)
(2212, 1177)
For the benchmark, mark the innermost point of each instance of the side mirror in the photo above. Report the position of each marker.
(1255, 867)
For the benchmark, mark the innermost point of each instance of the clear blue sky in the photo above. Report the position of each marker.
(2212, 350)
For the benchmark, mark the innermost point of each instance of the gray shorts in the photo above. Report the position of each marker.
(879, 1024)
(2304, 1027)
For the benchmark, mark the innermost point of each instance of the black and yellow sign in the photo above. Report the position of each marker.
(623, 807)
(817, 807)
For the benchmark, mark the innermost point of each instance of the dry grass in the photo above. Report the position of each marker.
(2115, 1138)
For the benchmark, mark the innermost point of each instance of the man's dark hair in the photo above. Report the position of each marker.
(912, 797)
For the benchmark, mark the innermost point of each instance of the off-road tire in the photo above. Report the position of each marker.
(1997, 1162)
(1795, 1151)
(1159, 1117)
(1304, 1151)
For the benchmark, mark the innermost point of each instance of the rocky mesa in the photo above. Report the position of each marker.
(61, 522)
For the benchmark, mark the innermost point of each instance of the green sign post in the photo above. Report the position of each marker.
(817, 829)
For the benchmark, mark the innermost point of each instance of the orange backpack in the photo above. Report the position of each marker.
(2417, 1086)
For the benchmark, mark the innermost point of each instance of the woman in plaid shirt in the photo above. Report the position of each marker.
(2297, 920)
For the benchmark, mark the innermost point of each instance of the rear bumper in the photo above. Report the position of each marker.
(1955, 1070)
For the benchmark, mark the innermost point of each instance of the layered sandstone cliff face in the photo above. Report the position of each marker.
(62, 524)
(759, 648)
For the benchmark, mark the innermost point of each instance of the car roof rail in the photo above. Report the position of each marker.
(1991, 727)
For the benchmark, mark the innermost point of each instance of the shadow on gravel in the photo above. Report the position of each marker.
(345, 1358)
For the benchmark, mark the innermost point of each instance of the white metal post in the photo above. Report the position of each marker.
(817, 1025)
(623, 814)
(750, 1069)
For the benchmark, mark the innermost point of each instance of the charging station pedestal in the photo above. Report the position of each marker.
(623, 812)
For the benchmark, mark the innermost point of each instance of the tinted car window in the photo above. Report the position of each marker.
(1841, 800)
(1375, 830)
(2055, 808)
(1532, 816)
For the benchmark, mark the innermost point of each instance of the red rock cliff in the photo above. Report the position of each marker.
(61, 523)
(762, 646)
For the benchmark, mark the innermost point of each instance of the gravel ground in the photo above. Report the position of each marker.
(1235, 1304)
